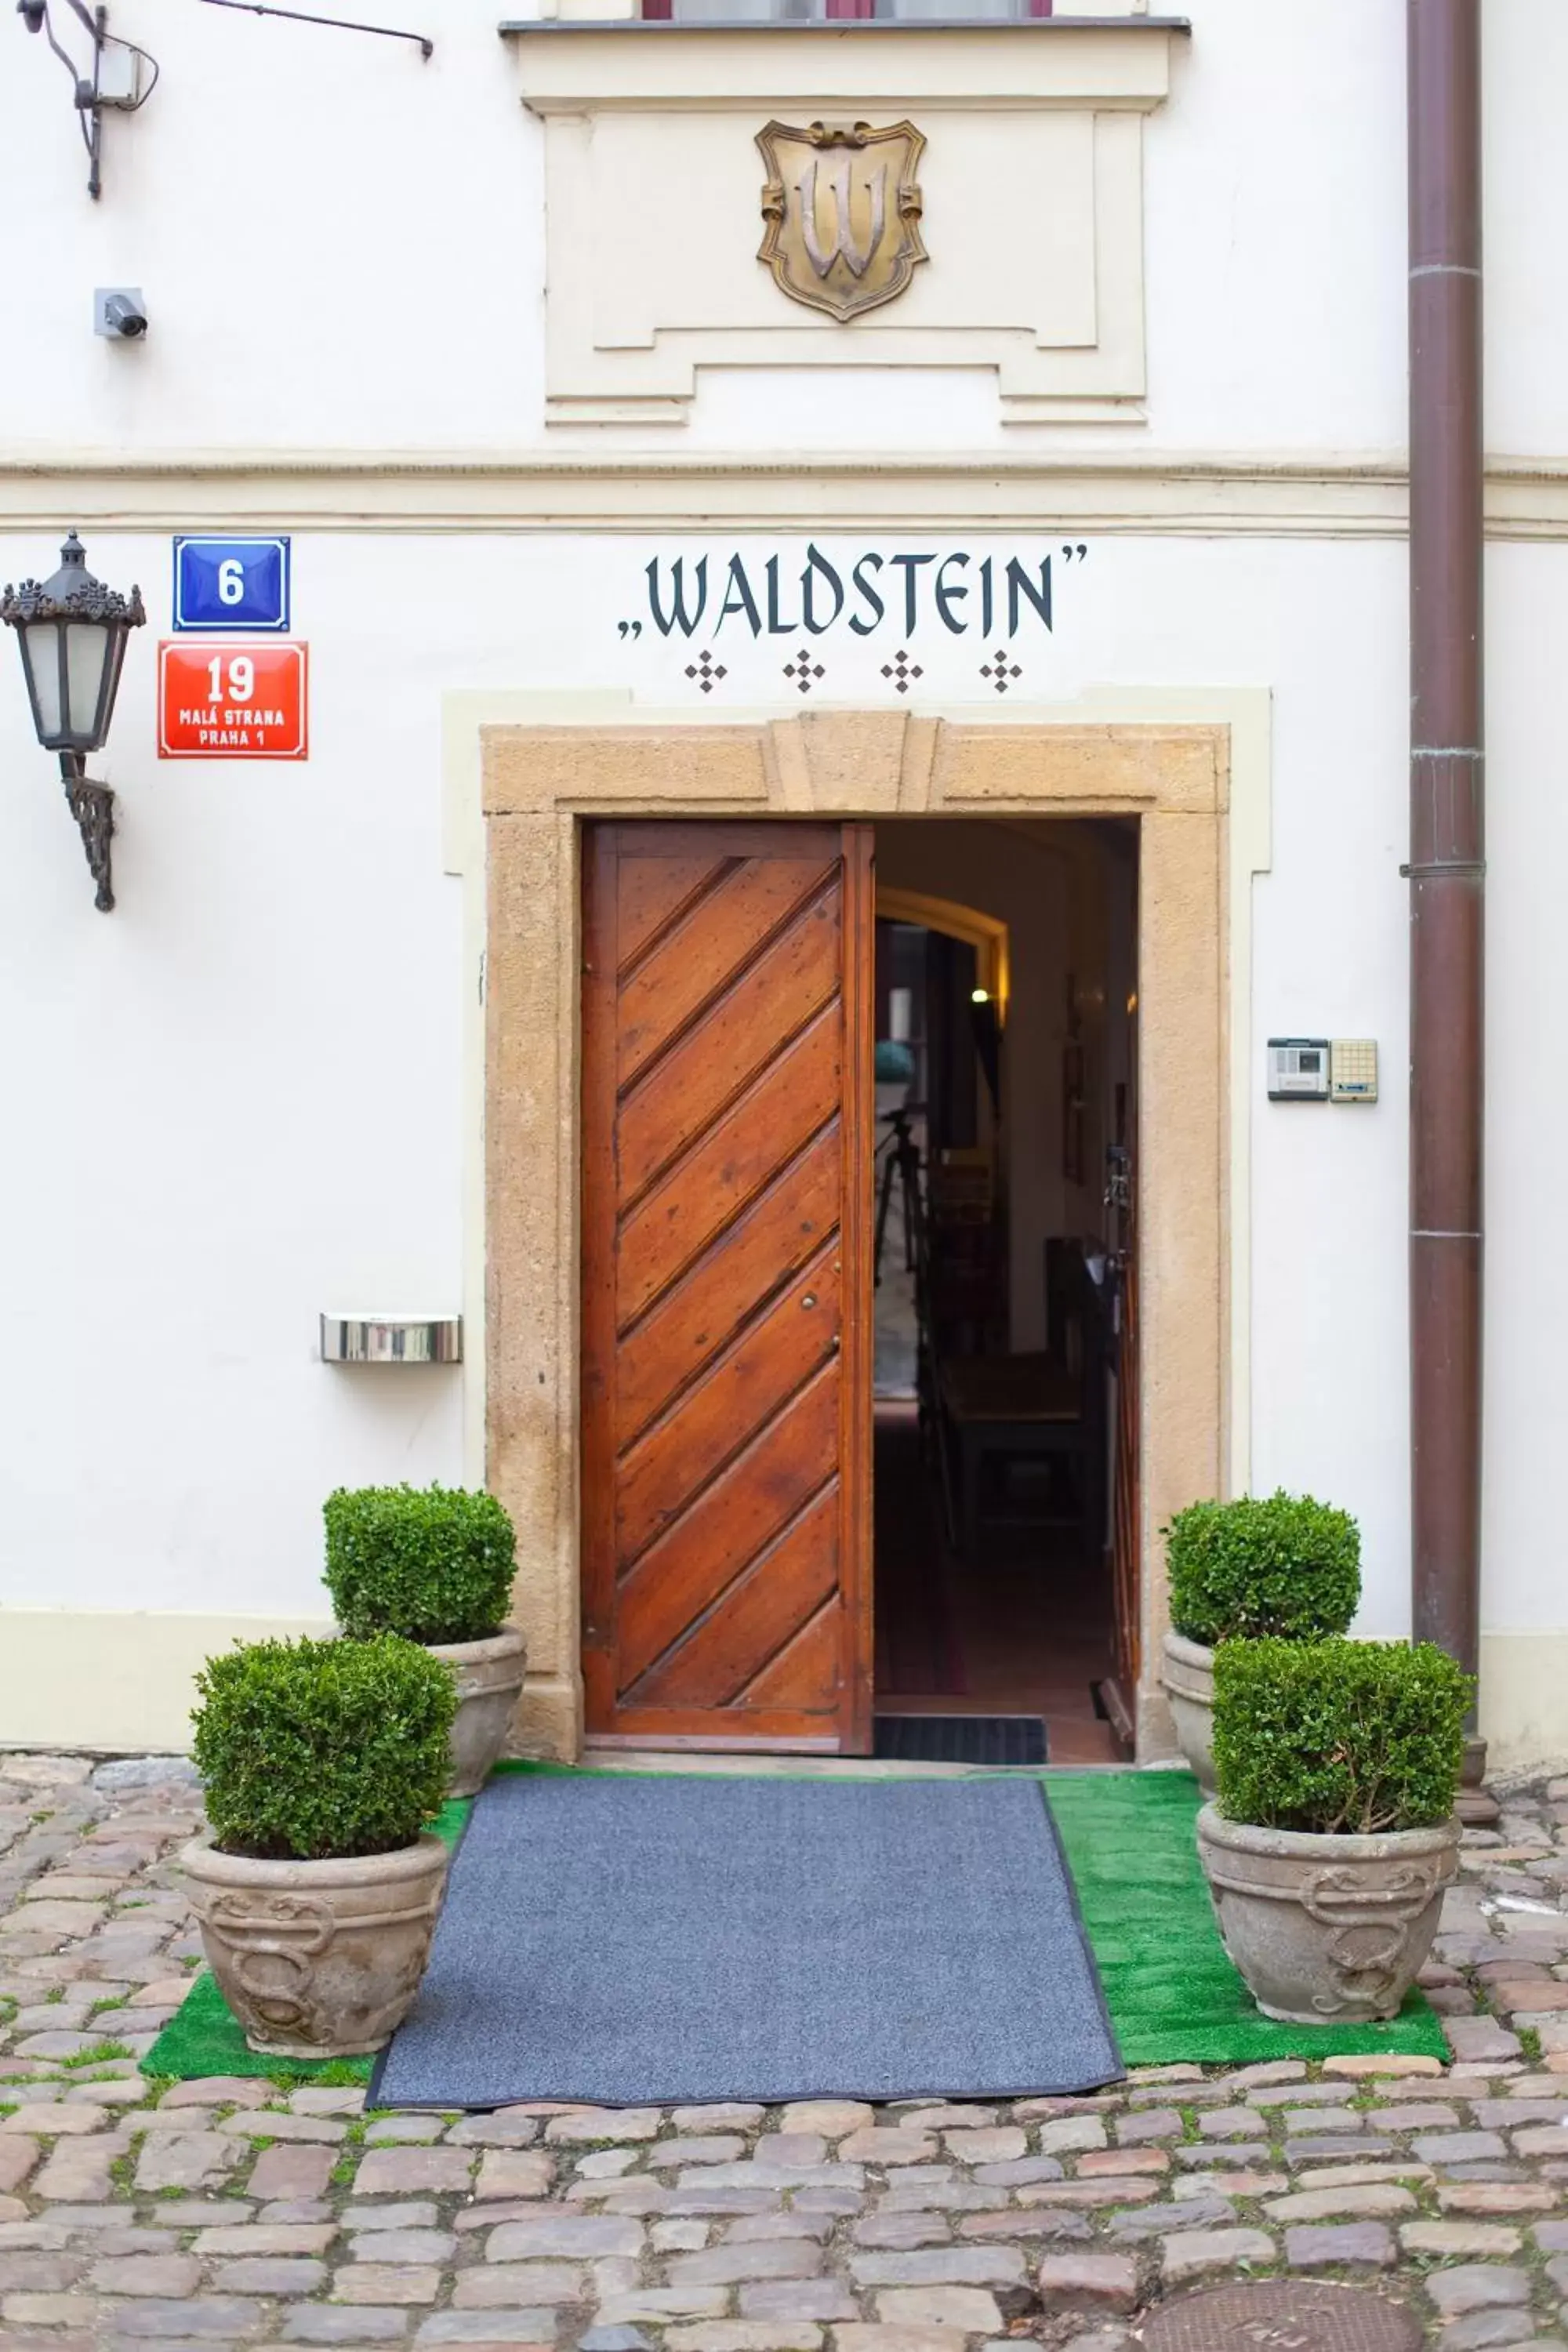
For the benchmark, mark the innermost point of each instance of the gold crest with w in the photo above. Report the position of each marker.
(843, 212)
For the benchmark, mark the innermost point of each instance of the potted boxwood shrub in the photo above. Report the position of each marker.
(1263, 1564)
(316, 1887)
(1335, 1834)
(436, 1564)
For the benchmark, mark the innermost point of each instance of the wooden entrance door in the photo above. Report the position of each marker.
(726, 1111)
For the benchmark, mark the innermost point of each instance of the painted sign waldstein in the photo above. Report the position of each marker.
(843, 212)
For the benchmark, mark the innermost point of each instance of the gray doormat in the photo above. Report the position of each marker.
(674, 1940)
(994, 1739)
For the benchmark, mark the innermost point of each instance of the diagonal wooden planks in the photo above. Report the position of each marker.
(738, 1157)
(705, 1547)
(725, 969)
(729, 1045)
(792, 1584)
(698, 959)
(773, 1237)
(747, 1385)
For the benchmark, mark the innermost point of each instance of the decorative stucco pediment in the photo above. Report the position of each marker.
(665, 223)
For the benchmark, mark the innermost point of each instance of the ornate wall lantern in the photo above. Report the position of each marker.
(73, 632)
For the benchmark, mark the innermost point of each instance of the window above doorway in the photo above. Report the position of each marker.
(791, 11)
(730, 15)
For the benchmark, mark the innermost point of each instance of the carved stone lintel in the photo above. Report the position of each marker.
(92, 805)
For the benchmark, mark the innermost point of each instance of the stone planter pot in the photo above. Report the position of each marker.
(1188, 1678)
(490, 1675)
(318, 1959)
(1326, 1929)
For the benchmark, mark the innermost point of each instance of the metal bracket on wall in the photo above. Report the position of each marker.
(391, 1338)
(338, 24)
(115, 79)
(92, 805)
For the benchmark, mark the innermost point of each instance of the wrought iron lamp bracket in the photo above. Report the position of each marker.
(92, 805)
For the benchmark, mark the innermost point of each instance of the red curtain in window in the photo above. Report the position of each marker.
(661, 11)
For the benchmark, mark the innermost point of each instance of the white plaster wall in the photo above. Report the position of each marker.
(1526, 61)
(1275, 212)
(237, 1099)
(230, 1104)
(341, 246)
(1525, 1551)
(243, 1091)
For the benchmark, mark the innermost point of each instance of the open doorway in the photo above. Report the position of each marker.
(1004, 1356)
(859, 1130)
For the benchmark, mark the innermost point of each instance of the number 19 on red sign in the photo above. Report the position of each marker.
(232, 702)
(241, 683)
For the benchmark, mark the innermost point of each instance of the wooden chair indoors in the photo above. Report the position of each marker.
(1044, 1407)
(967, 1278)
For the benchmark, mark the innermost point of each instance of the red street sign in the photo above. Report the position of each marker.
(223, 700)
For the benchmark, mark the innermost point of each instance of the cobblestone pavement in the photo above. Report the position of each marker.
(136, 2214)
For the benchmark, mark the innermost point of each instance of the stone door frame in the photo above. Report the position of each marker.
(523, 771)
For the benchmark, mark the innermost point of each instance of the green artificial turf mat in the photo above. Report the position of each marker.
(204, 2038)
(1174, 1997)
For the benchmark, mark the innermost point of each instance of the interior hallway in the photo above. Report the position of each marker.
(1024, 1631)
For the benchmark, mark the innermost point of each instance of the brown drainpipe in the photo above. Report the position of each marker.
(1447, 803)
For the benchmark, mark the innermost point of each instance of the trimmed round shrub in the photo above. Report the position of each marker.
(433, 1563)
(1277, 1564)
(1339, 1738)
(315, 1750)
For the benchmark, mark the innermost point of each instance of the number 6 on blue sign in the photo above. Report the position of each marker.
(231, 583)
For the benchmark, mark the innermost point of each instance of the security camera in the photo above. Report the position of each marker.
(118, 312)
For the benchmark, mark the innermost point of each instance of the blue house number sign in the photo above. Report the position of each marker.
(232, 583)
